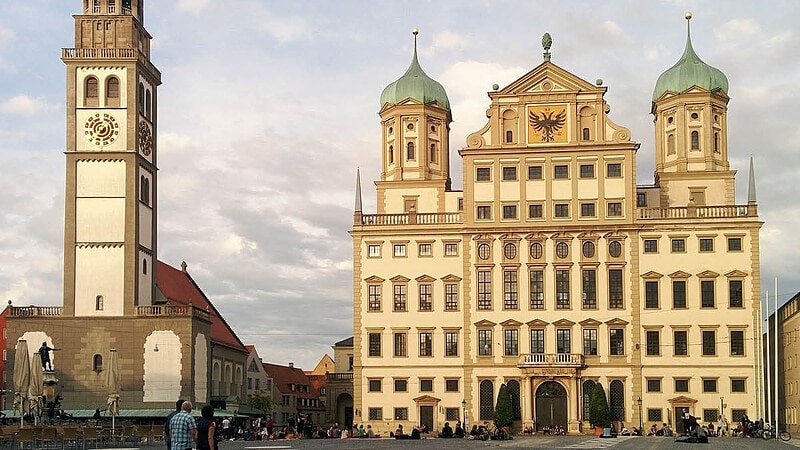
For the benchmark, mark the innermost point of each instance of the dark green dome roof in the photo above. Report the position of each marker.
(690, 71)
(416, 84)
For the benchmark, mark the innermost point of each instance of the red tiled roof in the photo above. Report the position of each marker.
(181, 289)
(284, 376)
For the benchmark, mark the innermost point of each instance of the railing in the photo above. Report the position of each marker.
(170, 310)
(340, 376)
(712, 212)
(99, 53)
(551, 360)
(34, 311)
(411, 219)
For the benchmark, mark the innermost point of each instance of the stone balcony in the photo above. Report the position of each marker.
(551, 360)
(700, 212)
(141, 311)
(410, 218)
(340, 376)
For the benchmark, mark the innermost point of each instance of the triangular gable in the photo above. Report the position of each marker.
(451, 278)
(537, 323)
(707, 274)
(736, 274)
(511, 323)
(563, 323)
(682, 399)
(679, 274)
(425, 279)
(589, 323)
(616, 322)
(426, 399)
(484, 323)
(651, 275)
(547, 71)
(399, 279)
(374, 279)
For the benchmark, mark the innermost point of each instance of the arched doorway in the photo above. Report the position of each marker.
(551, 405)
(344, 410)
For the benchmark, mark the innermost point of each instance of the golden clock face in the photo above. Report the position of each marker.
(145, 139)
(101, 129)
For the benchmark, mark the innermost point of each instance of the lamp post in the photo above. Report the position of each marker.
(641, 419)
(464, 410)
(722, 406)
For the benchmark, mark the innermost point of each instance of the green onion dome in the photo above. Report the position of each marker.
(416, 84)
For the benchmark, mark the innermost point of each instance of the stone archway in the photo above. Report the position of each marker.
(551, 405)
(344, 410)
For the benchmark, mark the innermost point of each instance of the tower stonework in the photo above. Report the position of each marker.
(111, 174)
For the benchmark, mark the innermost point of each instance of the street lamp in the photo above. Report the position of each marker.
(641, 419)
(464, 410)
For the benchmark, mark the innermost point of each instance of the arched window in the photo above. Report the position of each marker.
(671, 144)
(512, 387)
(97, 363)
(112, 6)
(90, 91)
(616, 403)
(216, 379)
(112, 92)
(391, 154)
(410, 151)
(433, 152)
(98, 303)
(716, 142)
(588, 387)
(695, 140)
(509, 136)
(144, 267)
(585, 134)
(144, 191)
(147, 103)
(141, 96)
(487, 400)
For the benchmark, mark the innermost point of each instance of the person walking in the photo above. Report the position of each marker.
(182, 429)
(207, 430)
(178, 406)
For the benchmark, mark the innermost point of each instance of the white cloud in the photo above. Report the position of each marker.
(736, 29)
(443, 41)
(613, 30)
(23, 105)
(192, 6)
(6, 36)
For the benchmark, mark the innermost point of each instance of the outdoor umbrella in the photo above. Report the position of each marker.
(112, 383)
(35, 387)
(22, 374)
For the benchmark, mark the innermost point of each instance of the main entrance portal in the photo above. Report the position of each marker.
(551, 405)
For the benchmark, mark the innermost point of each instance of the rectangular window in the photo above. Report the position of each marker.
(735, 299)
(425, 249)
(738, 385)
(587, 210)
(615, 289)
(374, 250)
(401, 414)
(614, 170)
(710, 415)
(651, 245)
(706, 244)
(682, 385)
(678, 245)
(400, 297)
(534, 172)
(425, 385)
(451, 343)
(562, 289)
(510, 295)
(655, 415)
(653, 343)
(484, 212)
(374, 344)
(399, 250)
(451, 297)
(641, 200)
(563, 341)
(450, 249)
(560, 171)
(709, 342)
(562, 210)
(249, 383)
(537, 289)
(400, 340)
(374, 295)
(709, 385)
(737, 415)
(589, 288)
(451, 385)
(452, 414)
(679, 294)
(511, 340)
(425, 343)
(509, 173)
(425, 297)
(737, 343)
(707, 293)
(651, 294)
(614, 209)
(401, 385)
(680, 342)
(483, 174)
(509, 211)
(587, 170)
(616, 337)
(375, 385)
(590, 341)
(484, 342)
(374, 414)
(535, 211)
(735, 244)
(537, 341)
(484, 289)
(654, 385)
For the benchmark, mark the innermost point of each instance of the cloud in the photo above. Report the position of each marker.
(23, 105)
(6, 36)
(445, 40)
(192, 6)
(736, 29)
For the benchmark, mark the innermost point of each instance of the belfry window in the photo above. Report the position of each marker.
(147, 103)
(695, 140)
(141, 96)
(716, 142)
(391, 154)
(96, 8)
(144, 190)
(585, 134)
(671, 144)
(509, 136)
(90, 91)
(433, 152)
(112, 6)
(410, 151)
(144, 267)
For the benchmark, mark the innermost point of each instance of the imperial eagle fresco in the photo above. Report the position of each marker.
(548, 123)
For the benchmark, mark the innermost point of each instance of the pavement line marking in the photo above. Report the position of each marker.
(274, 446)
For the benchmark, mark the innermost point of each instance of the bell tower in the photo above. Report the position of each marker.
(111, 175)
(690, 105)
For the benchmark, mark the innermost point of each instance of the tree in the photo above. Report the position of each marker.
(599, 415)
(261, 401)
(503, 411)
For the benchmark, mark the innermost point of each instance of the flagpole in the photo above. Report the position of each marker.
(769, 363)
(775, 295)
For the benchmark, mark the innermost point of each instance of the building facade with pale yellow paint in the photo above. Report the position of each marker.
(553, 270)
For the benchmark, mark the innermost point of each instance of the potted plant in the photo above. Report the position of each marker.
(599, 414)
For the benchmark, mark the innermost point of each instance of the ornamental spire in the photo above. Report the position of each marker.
(357, 209)
(751, 184)
(547, 42)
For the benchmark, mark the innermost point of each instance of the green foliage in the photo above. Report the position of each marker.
(503, 411)
(599, 414)
(261, 401)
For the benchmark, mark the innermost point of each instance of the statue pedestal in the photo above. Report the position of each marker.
(49, 385)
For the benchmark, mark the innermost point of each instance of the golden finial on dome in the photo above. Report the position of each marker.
(688, 15)
(415, 31)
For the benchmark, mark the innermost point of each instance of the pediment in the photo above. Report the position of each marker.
(589, 323)
(399, 279)
(563, 323)
(425, 279)
(510, 323)
(559, 80)
(484, 323)
(651, 275)
(374, 279)
(682, 399)
(707, 274)
(679, 274)
(426, 399)
(451, 278)
(616, 322)
(537, 323)
(736, 274)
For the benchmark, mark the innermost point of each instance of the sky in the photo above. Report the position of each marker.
(268, 107)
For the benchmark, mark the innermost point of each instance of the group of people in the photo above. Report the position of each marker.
(448, 431)
(182, 432)
(665, 430)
